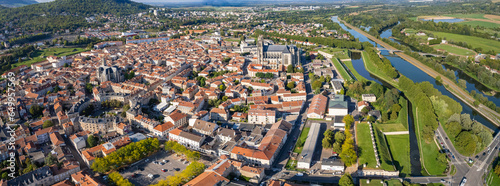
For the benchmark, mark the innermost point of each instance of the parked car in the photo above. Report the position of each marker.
(164, 170)
(299, 174)
(150, 175)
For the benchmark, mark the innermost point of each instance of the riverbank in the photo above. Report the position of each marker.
(450, 85)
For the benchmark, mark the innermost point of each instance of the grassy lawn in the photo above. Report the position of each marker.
(373, 182)
(358, 76)
(480, 23)
(429, 151)
(393, 182)
(476, 42)
(474, 16)
(392, 127)
(383, 150)
(410, 31)
(400, 149)
(303, 137)
(341, 70)
(492, 179)
(337, 52)
(413, 18)
(366, 154)
(454, 50)
(40, 55)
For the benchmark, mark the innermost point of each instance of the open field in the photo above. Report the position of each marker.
(480, 23)
(485, 44)
(400, 149)
(454, 50)
(40, 55)
(366, 154)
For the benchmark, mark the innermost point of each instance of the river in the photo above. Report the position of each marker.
(416, 75)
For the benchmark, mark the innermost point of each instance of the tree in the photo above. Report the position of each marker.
(290, 69)
(50, 160)
(36, 110)
(316, 84)
(466, 143)
(337, 147)
(348, 120)
(454, 128)
(346, 180)
(339, 137)
(222, 87)
(290, 85)
(497, 169)
(376, 89)
(442, 158)
(47, 124)
(92, 141)
(394, 115)
(396, 108)
(328, 139)
(466, 122)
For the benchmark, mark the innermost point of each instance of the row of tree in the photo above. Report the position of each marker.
(179, 178)
(182, 150)
(124, 156)
(348, 155)
(118, 179)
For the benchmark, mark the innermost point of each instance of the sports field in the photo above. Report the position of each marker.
(454, 50)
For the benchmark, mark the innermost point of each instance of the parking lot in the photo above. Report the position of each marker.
(138, 174)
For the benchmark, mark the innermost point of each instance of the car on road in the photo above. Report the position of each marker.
(443, 181)
(164, 170)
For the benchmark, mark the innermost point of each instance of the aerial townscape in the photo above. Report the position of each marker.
(238, 93)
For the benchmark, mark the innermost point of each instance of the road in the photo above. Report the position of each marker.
(480, 167)
(455, 89)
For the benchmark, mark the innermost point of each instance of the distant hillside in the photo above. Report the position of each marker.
(16, 3)
(61, 14)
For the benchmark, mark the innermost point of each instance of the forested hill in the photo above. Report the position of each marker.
(61, 14)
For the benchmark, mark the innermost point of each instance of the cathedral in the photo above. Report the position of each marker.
(106, 73)
(277, 56)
